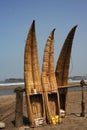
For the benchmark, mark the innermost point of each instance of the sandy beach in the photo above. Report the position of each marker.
(72, 121)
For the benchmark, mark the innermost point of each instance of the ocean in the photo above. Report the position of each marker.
(12, 86)
(6, 92)
(8, 88)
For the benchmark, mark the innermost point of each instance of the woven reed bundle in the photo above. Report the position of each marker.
(62, 67)
(52, 77)
(31, 64)
(28, 77)
(33, 86)
(45, 65)
(45, 82)
(63, 63)
(48, 63)
(49, 83)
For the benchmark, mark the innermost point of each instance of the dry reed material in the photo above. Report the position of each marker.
(51, 95)
(63, 63)
(32, 78)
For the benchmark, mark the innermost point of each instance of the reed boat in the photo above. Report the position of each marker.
(32, 79)
(62, 68)
(51, 95)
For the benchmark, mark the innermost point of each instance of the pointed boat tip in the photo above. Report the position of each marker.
(54, 29)
(32, 28)
(75, 26)
(33, 23)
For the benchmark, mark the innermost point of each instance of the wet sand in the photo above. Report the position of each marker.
(72, 121)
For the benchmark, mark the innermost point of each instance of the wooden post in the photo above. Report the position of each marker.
(19, 107)
(82, 103)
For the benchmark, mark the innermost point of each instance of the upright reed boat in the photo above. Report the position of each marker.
(51, 95)
(32, 78)
(62, 68)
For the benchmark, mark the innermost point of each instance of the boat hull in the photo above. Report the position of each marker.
(49, 83)
(32, 78)
(62, 68)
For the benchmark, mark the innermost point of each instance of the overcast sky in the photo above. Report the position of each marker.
(16, 17)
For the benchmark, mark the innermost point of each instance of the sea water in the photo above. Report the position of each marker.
(6, 92)
(10, 88)
(11, 91)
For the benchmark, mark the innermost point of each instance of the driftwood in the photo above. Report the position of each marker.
(62, 67)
